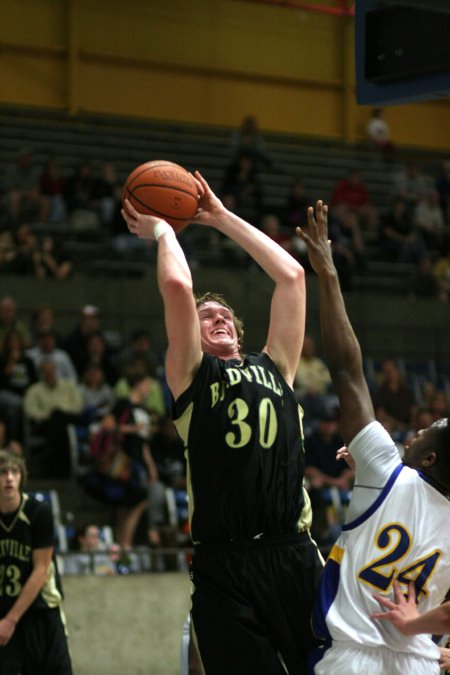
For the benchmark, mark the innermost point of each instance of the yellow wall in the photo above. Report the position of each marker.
(203, 61)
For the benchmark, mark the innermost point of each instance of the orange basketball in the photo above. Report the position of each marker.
(165, 190)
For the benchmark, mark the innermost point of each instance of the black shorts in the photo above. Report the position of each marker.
(38, 646)
(252, 602)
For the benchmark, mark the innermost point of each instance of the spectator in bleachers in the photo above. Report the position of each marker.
(9, 319)
(46, 349)
(138, 345)
(154, 399)
(44, 319)
(322, 472)
(271, 225)
(423, 418)
(98, 395)
(241, 189)
(424, 283)
(50, 405)
(100, 354)
(75, 342)
(22, 184)
(17, 374)
(78, 197)
(26, 257)
(394, 402)
(379, 134)
(52, 261)
(439, 405)
(106, 194)
(6, 252)
(52, 186)
(429, 220)
(351, 193)
(41, 259)
(399, 239)
(347, 246)
(92, 557)
(442, 273)
(409, 184)
(248, 140)
(131, 425)
(428, 392)
(7, 442)
(297, 202)
(312, 382)
(442, 185)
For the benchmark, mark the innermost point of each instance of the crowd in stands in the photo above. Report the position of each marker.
(81, 408)
(78, 408)
(39, 205)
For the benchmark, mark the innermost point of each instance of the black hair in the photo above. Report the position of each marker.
(440, 444)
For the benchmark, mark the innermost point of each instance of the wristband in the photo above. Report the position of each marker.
(160, 228)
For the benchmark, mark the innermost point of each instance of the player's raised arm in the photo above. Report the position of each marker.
(288, 307)
(176, 287)
(341, 346)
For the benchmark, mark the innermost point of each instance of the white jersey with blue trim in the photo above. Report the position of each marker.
(404, 533)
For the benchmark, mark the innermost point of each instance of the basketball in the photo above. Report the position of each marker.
(165, 190)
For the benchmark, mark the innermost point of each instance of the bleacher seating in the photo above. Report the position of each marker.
(128, 142)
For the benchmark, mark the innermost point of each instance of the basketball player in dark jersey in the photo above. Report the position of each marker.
(32, 632)
(255, 567)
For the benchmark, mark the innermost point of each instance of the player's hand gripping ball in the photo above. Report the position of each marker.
(165, 190)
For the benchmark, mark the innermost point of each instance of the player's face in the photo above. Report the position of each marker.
(9, 483)
(217, 330)
(417, 448)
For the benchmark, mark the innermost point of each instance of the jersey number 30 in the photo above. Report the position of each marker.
(242, 431)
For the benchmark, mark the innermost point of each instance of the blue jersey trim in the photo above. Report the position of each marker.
(379, 500)
(326, 593)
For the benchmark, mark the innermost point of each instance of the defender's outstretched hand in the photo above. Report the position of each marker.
(139, 224)
(316, 239)
(400, 612)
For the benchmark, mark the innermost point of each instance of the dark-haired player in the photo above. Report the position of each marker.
(397, 525)
(32, 633)
(255, 567)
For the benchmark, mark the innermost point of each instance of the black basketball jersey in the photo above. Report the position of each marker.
(28, 528)
(242, 429)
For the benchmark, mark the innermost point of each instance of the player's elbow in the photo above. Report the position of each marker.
(176, 288)
(295, 275)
